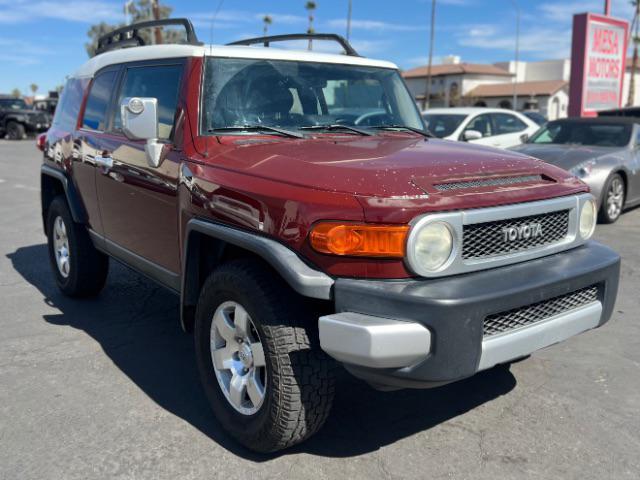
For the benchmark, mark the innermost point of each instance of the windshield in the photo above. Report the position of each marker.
(581, 133)
(13, 104)
(295, 95)
(443, 124)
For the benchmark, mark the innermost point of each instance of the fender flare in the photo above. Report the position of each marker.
(78, 212)
(305, 280)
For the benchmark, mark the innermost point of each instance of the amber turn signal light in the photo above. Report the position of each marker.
(359, 240)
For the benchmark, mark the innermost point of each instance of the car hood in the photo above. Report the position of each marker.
(398, 167)
(567, 156)
(22, 112)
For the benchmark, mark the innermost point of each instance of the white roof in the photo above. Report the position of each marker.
(466, 110)
(235, 51)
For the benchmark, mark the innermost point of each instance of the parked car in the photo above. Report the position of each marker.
(603, 152)
(485, 126)
(537, 117)
(297, 238)
(17, 119)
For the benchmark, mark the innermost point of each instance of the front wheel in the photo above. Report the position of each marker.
(15, 131)
(259, 360)
(613, 199)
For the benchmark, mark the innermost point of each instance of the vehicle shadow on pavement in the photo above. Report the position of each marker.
(136, 324)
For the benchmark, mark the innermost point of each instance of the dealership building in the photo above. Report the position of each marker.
(541, 86)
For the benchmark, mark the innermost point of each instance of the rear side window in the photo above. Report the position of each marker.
(66, 115)
(482, 124)
(95, 113)
(506, 123)
(161, 82)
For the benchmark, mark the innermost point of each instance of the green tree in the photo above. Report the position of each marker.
(267, 20)
(310, 7)
(138, 11)
(16, 93)
(34, 88)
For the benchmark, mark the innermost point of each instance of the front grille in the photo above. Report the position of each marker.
(537, 312)
(482, 240)
(487, 182)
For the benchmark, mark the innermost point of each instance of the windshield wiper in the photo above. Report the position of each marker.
(404, 127)
(337, 127)
(257, 128)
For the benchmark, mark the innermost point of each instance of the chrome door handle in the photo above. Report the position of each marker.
(105, 162)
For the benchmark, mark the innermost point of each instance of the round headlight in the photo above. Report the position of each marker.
(588, 217)
(433, 246)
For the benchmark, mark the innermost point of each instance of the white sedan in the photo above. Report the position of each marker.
(494, 127)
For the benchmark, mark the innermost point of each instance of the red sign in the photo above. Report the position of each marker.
(598, 62)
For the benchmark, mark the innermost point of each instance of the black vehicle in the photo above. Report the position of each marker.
(17, 119)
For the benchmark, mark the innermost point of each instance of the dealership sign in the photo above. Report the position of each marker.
(598, 62)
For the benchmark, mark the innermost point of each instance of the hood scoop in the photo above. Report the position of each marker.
(489, 182)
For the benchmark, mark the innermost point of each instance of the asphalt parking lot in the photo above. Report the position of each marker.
(107, 388)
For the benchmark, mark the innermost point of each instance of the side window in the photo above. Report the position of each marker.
(66, 115)
(482, 124)
(506, 123)
(161, 82)
(95, 113)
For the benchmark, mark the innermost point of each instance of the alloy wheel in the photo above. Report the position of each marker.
(61, 246)
(238, 358)
(615, 198)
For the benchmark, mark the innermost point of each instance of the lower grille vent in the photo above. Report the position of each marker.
(537, 312)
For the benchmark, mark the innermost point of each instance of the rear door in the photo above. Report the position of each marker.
(91, 141)
(138, 203)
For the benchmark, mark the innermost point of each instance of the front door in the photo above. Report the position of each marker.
(138, 203)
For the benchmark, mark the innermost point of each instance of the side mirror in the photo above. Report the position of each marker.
(140, 122)
(469, 135)
(524, 137)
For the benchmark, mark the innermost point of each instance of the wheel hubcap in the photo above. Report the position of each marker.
(615, 198)
(238, 358)
(61, 247)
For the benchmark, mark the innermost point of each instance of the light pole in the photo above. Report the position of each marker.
(427, 95)
(515, 82)
(349, 21)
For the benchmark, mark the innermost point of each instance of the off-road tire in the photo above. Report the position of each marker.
(300, 383)
(15, 131)
(604, 215)
(88, 268)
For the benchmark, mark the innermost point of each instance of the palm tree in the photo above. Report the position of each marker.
(635, 38)
(16, 93)
(267, 20)
(34, 88)
(310, 7)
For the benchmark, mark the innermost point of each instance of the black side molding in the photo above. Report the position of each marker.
(78, 212)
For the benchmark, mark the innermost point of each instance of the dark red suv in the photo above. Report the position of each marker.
(297, 205)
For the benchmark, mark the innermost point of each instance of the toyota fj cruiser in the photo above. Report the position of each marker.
(299, 208)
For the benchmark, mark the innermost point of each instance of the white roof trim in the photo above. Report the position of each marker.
(152, 52)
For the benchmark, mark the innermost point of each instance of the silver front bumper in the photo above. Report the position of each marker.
(524, 341)
(374, 342)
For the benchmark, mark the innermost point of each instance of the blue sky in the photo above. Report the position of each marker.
(41, 41)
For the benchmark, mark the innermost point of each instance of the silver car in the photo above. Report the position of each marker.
(603, 152)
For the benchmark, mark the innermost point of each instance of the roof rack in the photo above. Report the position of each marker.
(128, 36)
(349, 50)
